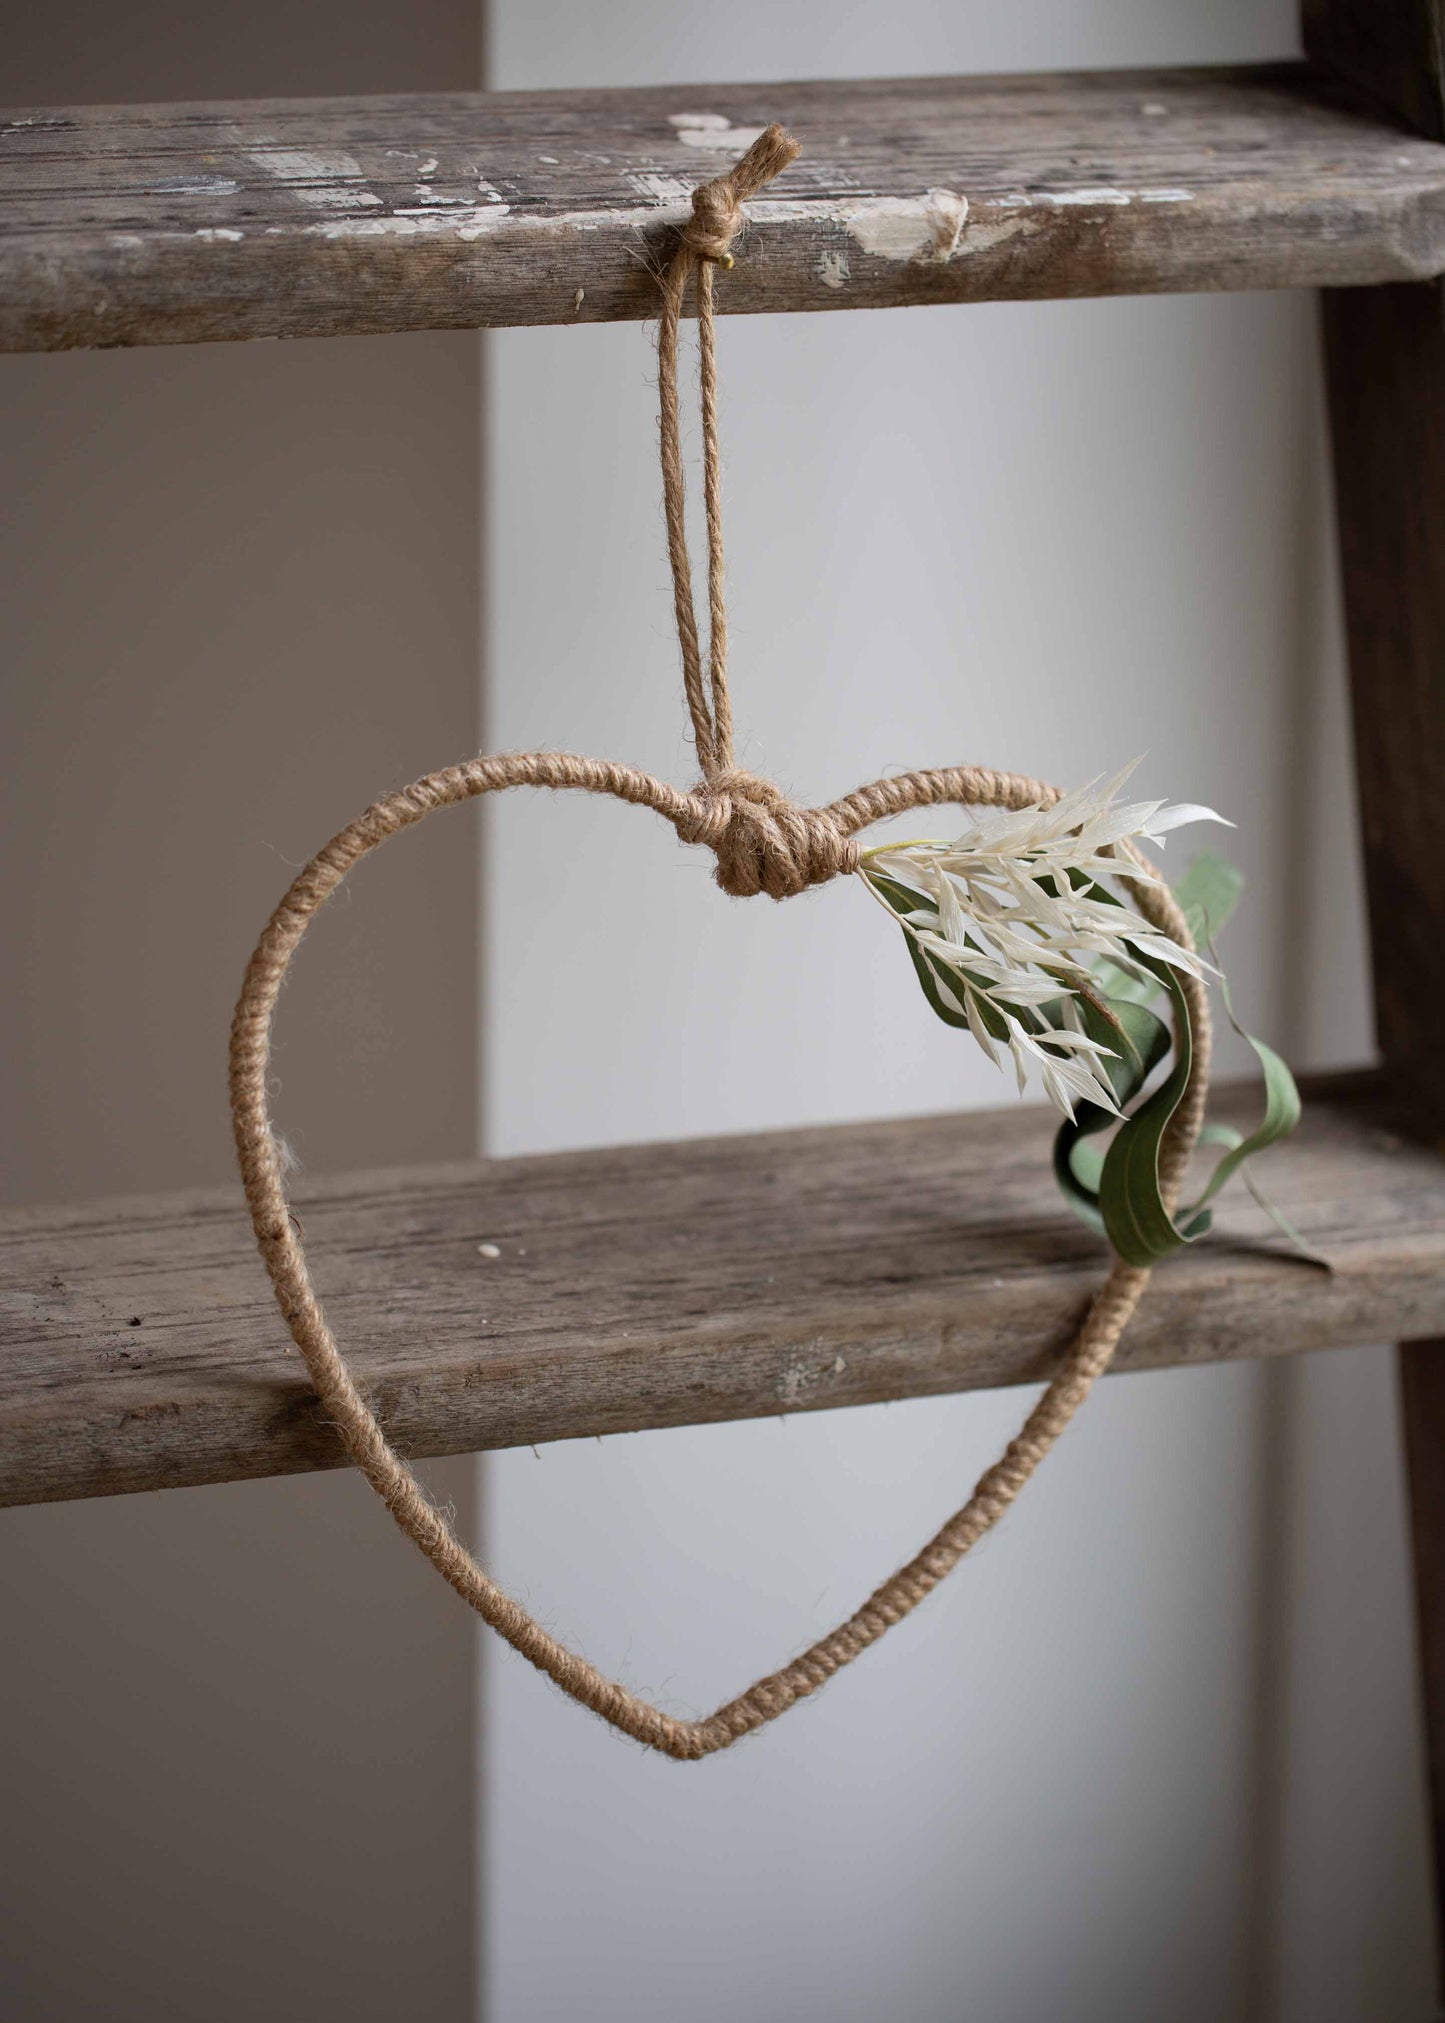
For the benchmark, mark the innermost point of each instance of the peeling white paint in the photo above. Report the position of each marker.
(805, 1372)
(797, 210)
(1054, 200)
(793, 1382)
(925, 229)
(712, 130)
(297, 165)
(336, 199)
(331, 181)
(932, 228)
(126, 239)
(1101, 196)
(666, 189)
(1153, 110)
(470, 224)
(641, 220)
(428, 167)
(211, 233)
(980, 236)
(833, 270)
(550, 160)
(195, 186)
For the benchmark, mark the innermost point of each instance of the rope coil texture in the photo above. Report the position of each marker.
(763, 842)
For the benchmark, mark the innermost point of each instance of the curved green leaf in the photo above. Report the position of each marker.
(1281, 1114)
(1140, 1041)
(1135, 1218)
(1136, 1221)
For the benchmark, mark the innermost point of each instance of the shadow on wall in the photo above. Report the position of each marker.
(240, 586)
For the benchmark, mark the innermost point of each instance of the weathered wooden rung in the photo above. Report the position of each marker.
(538, 1299)
(295, 218)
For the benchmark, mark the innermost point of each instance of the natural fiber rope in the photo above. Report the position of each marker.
(763, 842)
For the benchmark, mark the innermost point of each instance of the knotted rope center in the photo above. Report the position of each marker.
(763, 841)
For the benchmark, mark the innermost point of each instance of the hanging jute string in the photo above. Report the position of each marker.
(763, 842)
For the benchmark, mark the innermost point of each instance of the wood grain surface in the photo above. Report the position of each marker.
(291, 218)
(664, 1285)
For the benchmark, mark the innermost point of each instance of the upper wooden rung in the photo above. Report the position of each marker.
(291, 218)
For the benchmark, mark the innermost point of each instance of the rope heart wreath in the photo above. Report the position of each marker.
(763, 842)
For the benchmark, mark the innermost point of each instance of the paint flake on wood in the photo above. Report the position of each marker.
(490, 1305)
(168, 224)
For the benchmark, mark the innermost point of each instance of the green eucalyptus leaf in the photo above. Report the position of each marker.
(1136, 1221)
(1135, 1218)
(1209, 892)
(1140, 1041)
(1281, 1114)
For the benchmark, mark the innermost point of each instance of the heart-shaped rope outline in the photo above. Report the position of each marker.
(763, 842)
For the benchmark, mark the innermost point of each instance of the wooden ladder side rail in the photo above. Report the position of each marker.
(1385, 361)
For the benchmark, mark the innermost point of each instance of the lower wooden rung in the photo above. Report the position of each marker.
(518, 1300)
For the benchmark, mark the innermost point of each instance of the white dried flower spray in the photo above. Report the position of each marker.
(1006, 920)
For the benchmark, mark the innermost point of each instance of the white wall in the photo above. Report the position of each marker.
(1002, 533)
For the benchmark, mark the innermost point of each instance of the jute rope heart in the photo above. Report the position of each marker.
(763, 842)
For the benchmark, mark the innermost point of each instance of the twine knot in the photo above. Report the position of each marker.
(716, 215)
(717, 207)
(763, 841)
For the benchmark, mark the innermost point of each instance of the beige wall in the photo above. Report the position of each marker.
(240, 596)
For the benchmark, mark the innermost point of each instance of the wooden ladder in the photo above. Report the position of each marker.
(155, 225)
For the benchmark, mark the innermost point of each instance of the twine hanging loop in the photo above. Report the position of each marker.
(762, 839)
